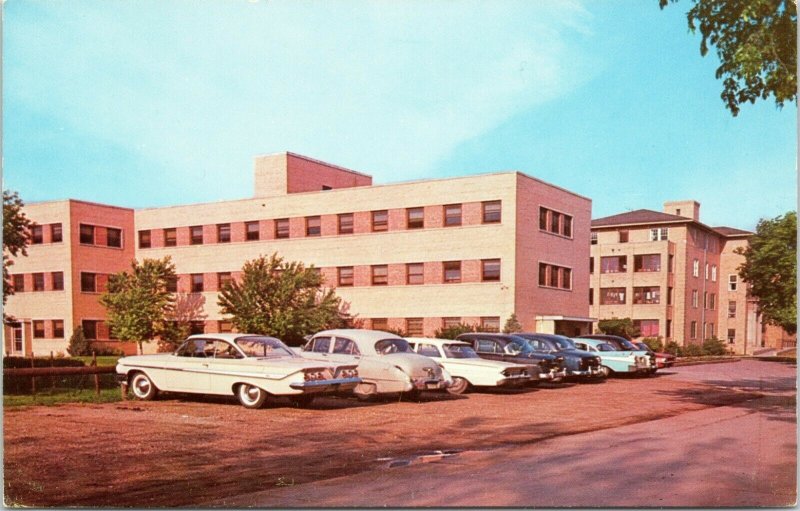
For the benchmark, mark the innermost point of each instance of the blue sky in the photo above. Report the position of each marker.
(152, 103)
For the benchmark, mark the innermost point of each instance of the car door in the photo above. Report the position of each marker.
(488, 348)
(190, 371)
(344, 351)
(222, 360)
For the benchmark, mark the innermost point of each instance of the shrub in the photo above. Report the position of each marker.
(512, 325)
(693, 350)
(714, 346)
(452, 332)
(674, 348)
(105, 351)
(654, 343)
(78, 345)
(616, 326)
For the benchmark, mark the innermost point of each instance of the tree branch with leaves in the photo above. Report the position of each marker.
(16, 235)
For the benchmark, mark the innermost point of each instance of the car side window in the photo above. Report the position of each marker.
(225, 350)
(487, 346)
(513, 348)
(321, 345)
(193, 348)
(429, 350)
(345, 347)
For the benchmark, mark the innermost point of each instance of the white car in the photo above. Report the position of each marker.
(252, 367)
(466, 367)
(386, 363)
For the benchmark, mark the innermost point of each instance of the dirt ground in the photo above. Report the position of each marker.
(185, 450)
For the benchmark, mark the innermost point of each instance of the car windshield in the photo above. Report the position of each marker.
(263, 347)
(605, 347)
(644, 347)
(628, 345)
(389, 346)
(459, 351)
(563, 343)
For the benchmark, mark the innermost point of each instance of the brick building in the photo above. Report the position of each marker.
(415, 256)
(674, 276)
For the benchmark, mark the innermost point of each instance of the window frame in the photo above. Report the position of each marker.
(313, 226)
(194, 238)
(342, 222)
(380, 224)
(451, 218)
(282, 228)
(252, 235)
(87, 234)
(489, 275)
(224, 233)
(196, 285)
(117, 237)
(59, 280)
(343, 280)
(38, 282)
(412, 277)
(35, 331)
(487, 217)
(145, 233)
(170, 236)
(56, 233)
(58, 328)
(454, 266)
(379, 279)
(37, 234)
(415, 223)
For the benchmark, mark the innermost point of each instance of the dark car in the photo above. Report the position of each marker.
(662, 359)
(510, 348)
(579, 363)
(623, 344)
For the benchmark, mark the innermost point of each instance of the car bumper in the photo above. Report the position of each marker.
(553, 374)
(323, 386)
(429, 384)
(592, 372)
(513, 381)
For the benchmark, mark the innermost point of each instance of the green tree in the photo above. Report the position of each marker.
(138, 302)
(282, 299)
(714, 346)
(512, 324)
(756, 42)
(615, 326)
(654, 343)
(16, 229)
(78, 345)
(451, 332)
(770, 268)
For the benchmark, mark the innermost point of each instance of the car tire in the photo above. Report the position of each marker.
(606, 371)
(302, 401)
(251, 396)
(411, 395)
(459, 386)
(143, 387)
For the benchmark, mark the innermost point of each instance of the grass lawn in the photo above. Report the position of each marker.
(101, 361)
(63, 396)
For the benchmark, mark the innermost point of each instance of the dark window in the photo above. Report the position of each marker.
(170, 237)
(88, 282)
(282, 228)
(197, 282)
(380, 275)
(38, 281)
(223, 233)
(346, 223)
(58, 329)
(594, 238)
(490, 270)
(144, 239)
(614, 264)
(415, 273)
(543, 219)
(223, 279)
(87, 234)
(56, 235)
(490, 324)
(37, 235)
(451, 322)
(38, 329)
(646, 295)
(591, 296)
(414, 327)
(197, 327)
(415, 218)
(89, 329)
(553, 276)
(252, 231)
(114, 237)
(542, 274)
(492, 212)
(380, 323)
(566, 278)
(380, 220)
(591, 265)
(566, 226)
(345, 275)
(58, 280)
(623, 236)
(647, 262)
(452, 215)
(452, 272)
(313, 226)
(612, 296)
(172, 284)
(19, 283)
(555, 221)
(196, 235)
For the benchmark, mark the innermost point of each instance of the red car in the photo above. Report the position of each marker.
(662, 359)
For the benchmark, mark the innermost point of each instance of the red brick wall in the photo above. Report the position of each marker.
(307, 175)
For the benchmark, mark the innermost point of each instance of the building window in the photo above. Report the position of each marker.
(38, 329)
(646, 295)
(490, 270)
(170, 237)
(225, 327)
(705, 299)
(415, 273)
(555, 276)
(87, 234)
(223, 233)
(380, 275)
(114, 237)
(38, 281)
(591, 265)
(647, 327)
(566, 226)
(172, 284)
(380, 324)
(693, 330)
(591, 296)
(223, 279)
(58, 280)
(555, 222)
(671, 263)
(614, 264)
(197, 282)
(19, 283)
(543, 218)
(623, 236)
(731, 335)
(415, 218)
(709, 330)
(196, 234)
(490, 324)
(661, 234)
(733, 281)
(713, 273)
(566, 278)
(732, 309)
(197, 327)
(708, 271)
(58, 329)
(88, 282)
(492, 212)
(452, 272)
(346, 223)
(669, 295)
(542, 274)
(612, 296)
(344, 276)
(37, 235)
(414, 327)
(668, 333)
(647, 262)
(451, 322)
(712, 301)
(282, 228)
(144, 239)
(89, 329)
(56, 234)
(380, 220)
(696, 268)
(594, 238)
(695, 297)
(252, 231)
(452, 215)
(313, 226)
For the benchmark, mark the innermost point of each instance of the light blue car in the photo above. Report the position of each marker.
(614, 361)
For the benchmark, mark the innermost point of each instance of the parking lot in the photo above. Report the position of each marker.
(196, 451)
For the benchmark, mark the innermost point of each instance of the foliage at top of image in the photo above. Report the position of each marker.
(756, 42)
(770, 268)
(16, 229)
(282, 299)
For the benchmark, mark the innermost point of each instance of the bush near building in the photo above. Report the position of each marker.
(654, 343)
(451, 332)
(622, 327)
